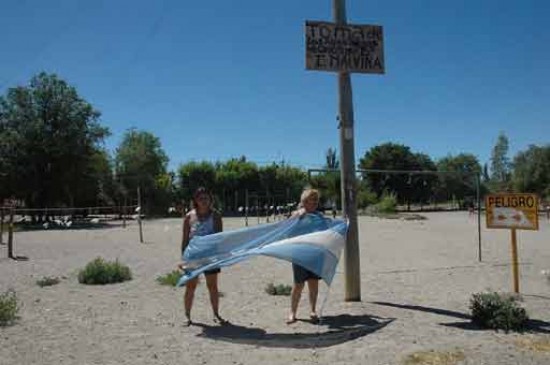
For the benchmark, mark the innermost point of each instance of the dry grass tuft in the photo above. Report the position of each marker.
(534, 344)
(434, 358)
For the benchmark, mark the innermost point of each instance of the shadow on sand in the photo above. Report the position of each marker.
(332, 330)
(534, 325)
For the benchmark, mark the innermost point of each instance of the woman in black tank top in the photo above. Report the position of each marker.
(200, 221)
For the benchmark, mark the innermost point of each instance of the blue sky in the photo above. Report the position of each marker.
(220, 79)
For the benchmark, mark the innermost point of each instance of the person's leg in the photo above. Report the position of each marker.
(190, 287)
(212, 285)
(313, 287)
(294, 300)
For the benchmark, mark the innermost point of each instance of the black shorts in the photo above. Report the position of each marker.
(301, 275)
(213, 271)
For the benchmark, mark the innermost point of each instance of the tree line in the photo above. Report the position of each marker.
(52, 154)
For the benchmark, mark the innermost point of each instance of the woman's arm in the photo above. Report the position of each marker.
(218, 224)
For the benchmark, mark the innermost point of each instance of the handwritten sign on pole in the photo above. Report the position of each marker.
(344, 48)
(511, 210)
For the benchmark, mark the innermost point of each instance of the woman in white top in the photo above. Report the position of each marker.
(201, 221)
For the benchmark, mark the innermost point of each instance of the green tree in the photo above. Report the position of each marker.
(531, 171)
(500, 164)
(50, 138)
(101, 191)
(328, 182)
(485, 174)
(193, 175)
(331, 159)
(407, 187)
(233, 178)
(141, 161)
(423, 185)
(290, 181)
(459, 179)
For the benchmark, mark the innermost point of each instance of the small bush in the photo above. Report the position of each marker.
(47, 281)
(365, 198)
(100, 272)
(496, 311)
(8, 307)
(170, 278)
(280, 289)
(388, 204)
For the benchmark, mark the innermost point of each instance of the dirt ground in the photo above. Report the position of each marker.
(416, 281)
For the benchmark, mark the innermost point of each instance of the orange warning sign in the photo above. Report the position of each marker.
(512, 210)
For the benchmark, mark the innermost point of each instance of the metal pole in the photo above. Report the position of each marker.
(347, 161)
(139, 215)
(10, 236)
(124, 212)
(1, 226)
(246, 207)
(478, 194)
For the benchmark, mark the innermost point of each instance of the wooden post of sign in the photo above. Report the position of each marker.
(10, 235)
(347, 158)
(139, 215)
(515, 264)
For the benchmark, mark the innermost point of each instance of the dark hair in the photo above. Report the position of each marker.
(201, 191)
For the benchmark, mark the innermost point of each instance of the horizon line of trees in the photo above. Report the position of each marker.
(52, 154)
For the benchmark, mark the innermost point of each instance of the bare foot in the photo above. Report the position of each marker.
(219, 319)
(314, 317)
(187, 322)
(291, 319)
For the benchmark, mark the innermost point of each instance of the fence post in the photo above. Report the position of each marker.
(139, 215)
(10, 235)
(1, 225)
(124, 214)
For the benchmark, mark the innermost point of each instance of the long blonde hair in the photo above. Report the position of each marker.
(308, 193)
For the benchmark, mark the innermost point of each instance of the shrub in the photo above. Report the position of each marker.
(387, 204)
(170, 278)
(280, 289)
(365, 198)
(496, 311)
(99, 271)
(47, 281)
(8, 307)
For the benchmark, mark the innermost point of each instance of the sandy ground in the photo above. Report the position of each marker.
(417, 278)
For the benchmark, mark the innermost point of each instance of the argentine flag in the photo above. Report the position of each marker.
(311, 241)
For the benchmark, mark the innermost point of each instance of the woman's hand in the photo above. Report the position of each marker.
(299, 213)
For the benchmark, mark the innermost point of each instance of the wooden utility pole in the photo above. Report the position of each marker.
(515, 261)
(352, 265)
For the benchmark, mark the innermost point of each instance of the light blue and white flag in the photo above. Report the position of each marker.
(311, 241)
